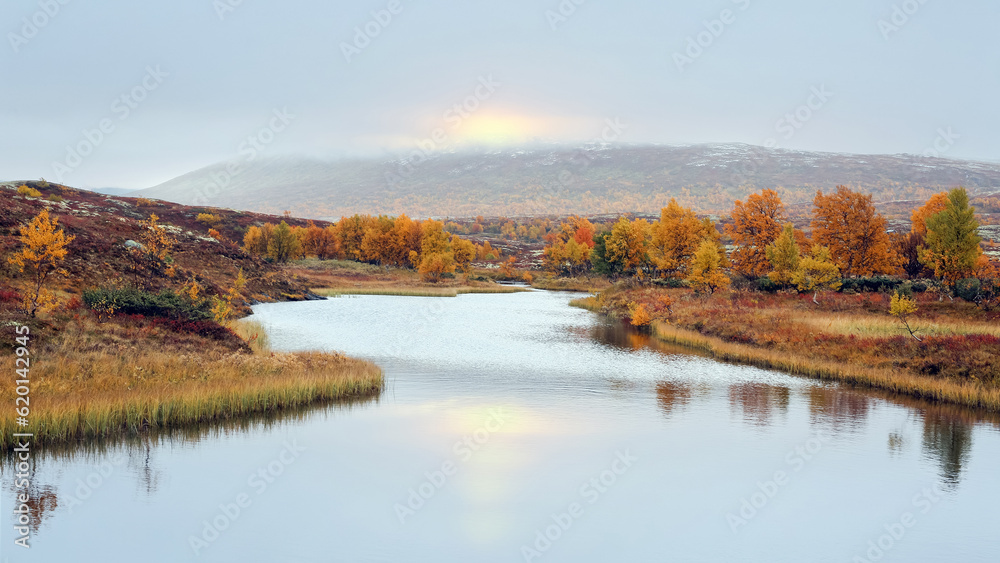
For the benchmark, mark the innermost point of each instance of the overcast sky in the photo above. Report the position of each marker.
(200, 76)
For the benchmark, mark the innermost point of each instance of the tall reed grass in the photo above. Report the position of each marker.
(80, 391)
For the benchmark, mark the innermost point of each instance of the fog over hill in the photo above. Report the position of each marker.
(585, 180)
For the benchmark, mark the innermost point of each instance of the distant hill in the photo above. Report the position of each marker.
(113, 191)
(558, 181)
(103, 225)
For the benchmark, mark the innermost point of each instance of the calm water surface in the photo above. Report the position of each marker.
(516, 428)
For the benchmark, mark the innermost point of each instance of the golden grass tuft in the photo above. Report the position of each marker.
(80, 391)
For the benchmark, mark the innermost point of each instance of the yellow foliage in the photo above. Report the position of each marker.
(43, 247)
(28, 192)
(706, 268)
(640, 316)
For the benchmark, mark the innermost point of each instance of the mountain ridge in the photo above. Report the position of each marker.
(591, 179)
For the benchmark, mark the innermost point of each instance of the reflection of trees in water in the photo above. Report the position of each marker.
(837, 409)
(947, 440)
(616, 334)
(140, 451)
(671, 396)
(139, 461)
(42, 502)
(757, 402)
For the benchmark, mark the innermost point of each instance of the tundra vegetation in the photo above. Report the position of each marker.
(126, 322)
(912, 312)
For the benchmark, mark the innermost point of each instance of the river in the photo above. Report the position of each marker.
(517, 428)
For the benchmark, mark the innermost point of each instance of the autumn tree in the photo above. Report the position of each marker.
(908, 246)
(816, 272)
(918, 219)
(224, 307)
(626, 246)
(155, 237)
(436, 256)
(256, 239)
(706, 268)
(901, 307)
(783, 255)
(319, 242)
(847, 223)
(377, 241)
(284, 245)
(43, 247)
(464, 252)
(639, 316)
(570, 248)
(756, 224)
(676, 237)
(350, 234)
(952, 242)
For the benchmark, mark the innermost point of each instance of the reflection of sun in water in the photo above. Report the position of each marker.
(487, 480)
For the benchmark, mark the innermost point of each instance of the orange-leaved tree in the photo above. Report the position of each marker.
(756, 224)
(847, 223)
(936, 204)
(676, 237)
(43, 247)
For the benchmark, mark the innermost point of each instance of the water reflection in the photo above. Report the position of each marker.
(948, 441)
(837, 408)
(758, 402)
(671, 396)
(617, 335)
(42, 502)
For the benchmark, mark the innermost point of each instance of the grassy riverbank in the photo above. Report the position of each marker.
(848, 338)
(332, 278)
(129, 375)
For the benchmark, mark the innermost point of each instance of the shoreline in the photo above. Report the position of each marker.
(81, 394)
(894, 381)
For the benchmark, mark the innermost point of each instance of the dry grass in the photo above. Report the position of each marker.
(89, 382)
(416, 291)
(846, 337)
(962, 393)
(584, 285)
(875, 326)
